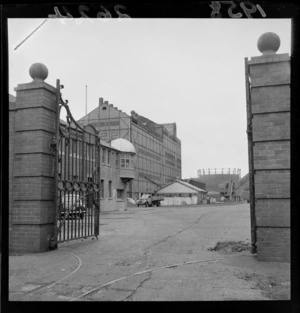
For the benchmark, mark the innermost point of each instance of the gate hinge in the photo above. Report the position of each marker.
(53, 143)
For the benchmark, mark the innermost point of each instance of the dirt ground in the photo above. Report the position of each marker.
(274, 288)
(198, 253)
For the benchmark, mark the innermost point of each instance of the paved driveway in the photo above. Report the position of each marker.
(158, 254)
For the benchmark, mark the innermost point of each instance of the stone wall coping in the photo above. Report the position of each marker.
(269, 58)
(35, 85)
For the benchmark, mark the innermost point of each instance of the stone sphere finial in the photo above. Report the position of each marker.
(268, 43)
(38, 72)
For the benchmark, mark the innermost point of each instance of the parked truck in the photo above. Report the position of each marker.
(149, 200)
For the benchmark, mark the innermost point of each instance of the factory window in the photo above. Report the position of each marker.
(108, 156)
(117, 159)
(120, 193)
(110, 189)
(103, 156)
(102, 188)
(126, 160)
(112, 156)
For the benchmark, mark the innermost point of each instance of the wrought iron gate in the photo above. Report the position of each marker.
(251, 159)
(77, 177)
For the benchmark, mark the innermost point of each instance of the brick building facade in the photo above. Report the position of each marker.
(158, 160)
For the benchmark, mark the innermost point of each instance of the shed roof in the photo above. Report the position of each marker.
(179, 186)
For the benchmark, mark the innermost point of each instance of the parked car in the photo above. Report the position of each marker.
(149, 200)
(72, 206)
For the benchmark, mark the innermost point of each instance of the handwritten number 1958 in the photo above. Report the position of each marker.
(233, 6)
(216, 6)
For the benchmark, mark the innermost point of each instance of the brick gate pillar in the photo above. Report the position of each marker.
(32, 196)
(270, 106)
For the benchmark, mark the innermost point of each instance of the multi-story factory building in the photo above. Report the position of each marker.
(158, 158)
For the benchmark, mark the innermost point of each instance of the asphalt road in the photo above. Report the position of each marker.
(148, 254)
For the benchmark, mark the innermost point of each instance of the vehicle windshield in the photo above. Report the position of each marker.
(144, 197)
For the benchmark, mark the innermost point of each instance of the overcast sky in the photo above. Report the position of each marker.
(188, 71)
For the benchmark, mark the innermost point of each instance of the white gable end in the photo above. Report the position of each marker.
(177, 188)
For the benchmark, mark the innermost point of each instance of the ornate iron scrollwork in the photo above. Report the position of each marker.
(83, 186)
(78, 159)
(68, 186)
(67, 141)
(68, 120)
(90, 187)
(76, 186)
(60, 185)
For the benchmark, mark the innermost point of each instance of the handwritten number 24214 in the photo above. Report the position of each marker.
(216, 6)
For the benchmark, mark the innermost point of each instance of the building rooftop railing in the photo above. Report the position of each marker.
(219, 171)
